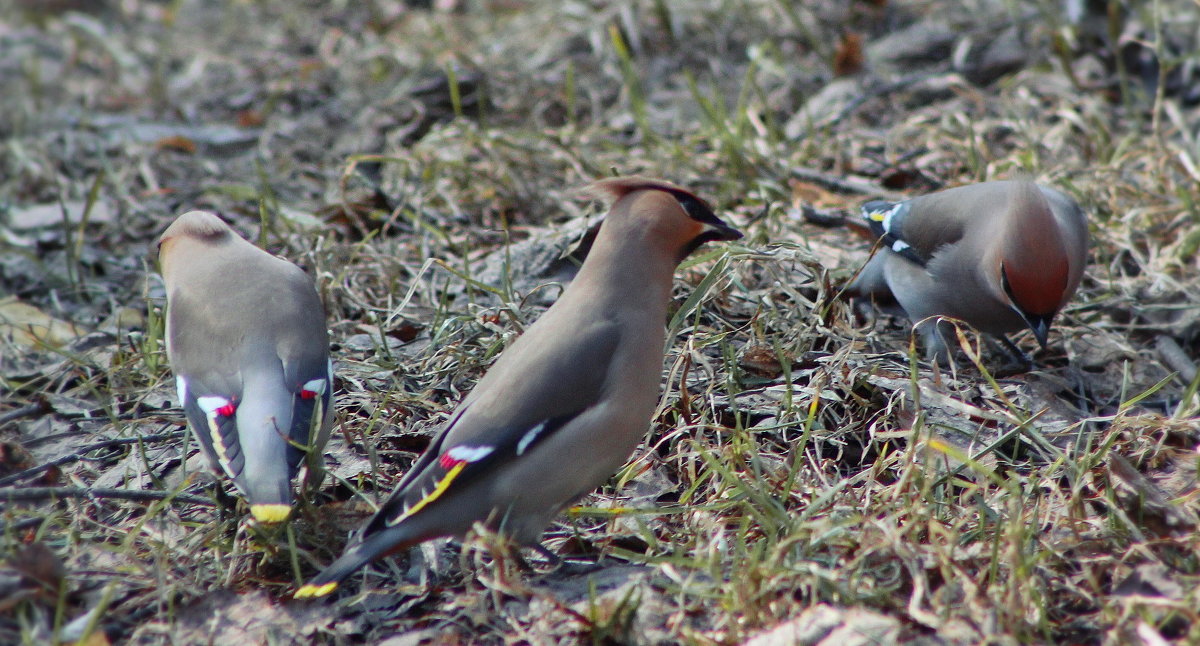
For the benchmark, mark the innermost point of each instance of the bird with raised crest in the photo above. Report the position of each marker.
(566, 404)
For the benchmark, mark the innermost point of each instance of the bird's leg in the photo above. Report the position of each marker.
(865, 310)
(225, 503)
(1018, 362)
(508, 580)
(434, 558)
(1015, 353)
(554, 559)
(1083, 392)
(503, 575)
(514, 553)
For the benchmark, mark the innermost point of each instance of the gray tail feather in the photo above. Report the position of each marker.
(360, 554)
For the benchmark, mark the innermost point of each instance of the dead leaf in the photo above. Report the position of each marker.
(73, 632)
(26, 325)
(1152, 580)
(176, 142)
(548, 255)
(39, 568)
(225, 617)
(825, 625)
(13, 458)
(343, 462)
(848, 56)
(1146, 501)
(40, 216)
(97, 638)
(250, 119)
(761, 360)
(810, 193)
(125, 318)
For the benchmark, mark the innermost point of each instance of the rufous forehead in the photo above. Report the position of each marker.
(664, 208)
(1038, 292)
(656, 199)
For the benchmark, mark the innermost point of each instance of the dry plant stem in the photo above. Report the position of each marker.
(51, 493)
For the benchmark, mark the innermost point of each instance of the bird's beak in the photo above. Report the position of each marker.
(711, 232)
(1039, 325)
(720, 231)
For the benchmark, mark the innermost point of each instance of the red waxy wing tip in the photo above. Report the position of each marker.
(448, 462)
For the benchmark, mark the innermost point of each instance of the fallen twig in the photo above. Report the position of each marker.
(77, 455)
(837, 184)
(24, 411)
(22, 525)
(49, 493)
(1176, 358)
(877, 91)
(823, 218)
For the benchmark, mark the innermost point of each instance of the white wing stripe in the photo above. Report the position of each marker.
(887, 219)
(468, 453)
(210, 403)
(529, 437)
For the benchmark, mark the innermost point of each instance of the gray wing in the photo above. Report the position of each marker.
(549, 387)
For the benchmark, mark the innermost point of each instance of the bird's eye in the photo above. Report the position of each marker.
(696, 209)
(1004, 283)
(690, 205)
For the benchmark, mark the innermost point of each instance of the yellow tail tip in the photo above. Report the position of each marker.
(310, 591)
(270, 514)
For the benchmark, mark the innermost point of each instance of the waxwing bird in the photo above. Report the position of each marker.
(247, 342)
(1000, 256)
(566, 404)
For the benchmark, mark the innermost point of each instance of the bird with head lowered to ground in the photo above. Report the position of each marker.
(1002, 256)
(247, 342)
